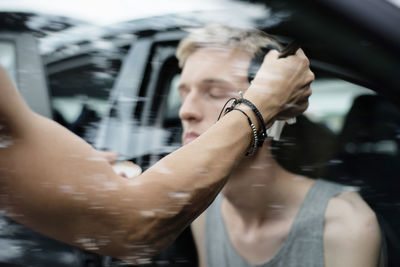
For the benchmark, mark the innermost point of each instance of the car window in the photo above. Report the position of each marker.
(80, 79)
(7, 58)
(331, 100)
(138, 102)
(173, 100)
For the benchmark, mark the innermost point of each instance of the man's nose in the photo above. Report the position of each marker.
(191, 109)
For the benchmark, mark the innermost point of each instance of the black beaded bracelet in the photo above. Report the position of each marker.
(263, 134)
(253, 128)
(259, 138)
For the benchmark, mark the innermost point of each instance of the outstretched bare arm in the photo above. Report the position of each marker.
(55, 183)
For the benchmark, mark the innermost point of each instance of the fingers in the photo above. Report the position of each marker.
(272, 54)
(301, 56)
(293, 111)
(307, 92)
(299, 105)
(123, 174)
(303, 95)
(287, 80)
(303, 103)
(302, 107)
(310, 77)
(300, 53)
(127, 169)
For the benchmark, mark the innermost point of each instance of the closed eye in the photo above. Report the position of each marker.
(217, 92)
(183, 91)
(218, 88)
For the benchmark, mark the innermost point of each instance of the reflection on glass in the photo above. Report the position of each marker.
(331, 100)
(173, 101)
(8, 58)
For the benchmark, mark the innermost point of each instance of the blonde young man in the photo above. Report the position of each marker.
(265, 216)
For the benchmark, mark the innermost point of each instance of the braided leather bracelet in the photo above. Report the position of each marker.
(263, 135)
(258, 138)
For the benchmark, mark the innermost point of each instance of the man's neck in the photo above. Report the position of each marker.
(259, 189)
(260, 205)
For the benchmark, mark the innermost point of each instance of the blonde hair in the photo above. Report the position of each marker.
(250, 40)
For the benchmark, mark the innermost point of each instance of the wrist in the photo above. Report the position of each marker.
(269, 108)
(245, 106)
(250, 113)
(241, 129)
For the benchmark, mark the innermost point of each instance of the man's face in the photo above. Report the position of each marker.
(209, 78)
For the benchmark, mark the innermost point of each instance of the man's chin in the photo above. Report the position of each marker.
(189, 137)
(188, 140)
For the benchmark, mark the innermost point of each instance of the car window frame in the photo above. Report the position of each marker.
(30, 74)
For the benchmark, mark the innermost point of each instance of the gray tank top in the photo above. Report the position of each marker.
(303, 247)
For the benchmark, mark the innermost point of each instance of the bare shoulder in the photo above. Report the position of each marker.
(348, 213)
(351, 225)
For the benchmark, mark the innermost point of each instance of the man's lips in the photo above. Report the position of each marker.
(189, 137)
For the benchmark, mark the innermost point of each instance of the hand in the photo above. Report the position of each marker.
(125, 169)
(281, 86)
